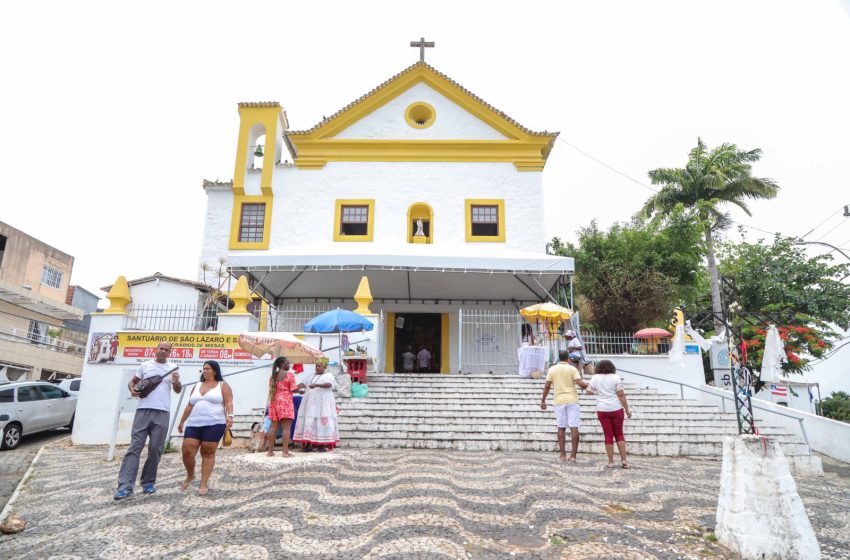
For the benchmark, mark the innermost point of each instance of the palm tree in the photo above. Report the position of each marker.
(710, 178)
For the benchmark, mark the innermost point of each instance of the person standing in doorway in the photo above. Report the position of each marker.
(424, 359)
(564, 378)
(150, 422)
(408, 360)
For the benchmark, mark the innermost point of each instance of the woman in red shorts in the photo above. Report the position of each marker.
(281, 410)
(611, 405)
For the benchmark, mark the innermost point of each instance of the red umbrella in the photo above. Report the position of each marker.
(652, 333)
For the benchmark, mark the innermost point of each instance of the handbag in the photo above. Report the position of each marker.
(148, 384)
(227, 438)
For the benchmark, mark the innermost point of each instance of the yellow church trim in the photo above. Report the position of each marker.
(444, 344)
(370, 225)
(236, 219)
(267, 115)
(389, 353)
(420, 114)
(526, 150)
(500, 203)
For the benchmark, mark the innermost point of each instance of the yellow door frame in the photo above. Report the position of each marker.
(389, 351)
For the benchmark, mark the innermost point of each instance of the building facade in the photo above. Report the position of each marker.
(34, 282)
(421, 186)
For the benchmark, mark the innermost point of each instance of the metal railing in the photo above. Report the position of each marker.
(723, 399)
(488, 340)
(620, 343)
(24, 336)
(291, 318)
(173, 318)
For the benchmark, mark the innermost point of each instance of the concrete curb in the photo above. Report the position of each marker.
(24, 478)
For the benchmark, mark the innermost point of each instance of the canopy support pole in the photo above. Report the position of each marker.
(530, 289)
(536, 281)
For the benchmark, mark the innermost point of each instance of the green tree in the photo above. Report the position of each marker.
(801, 294)
(836, 406)
(780, 280)
(634, 274)
(710, 179)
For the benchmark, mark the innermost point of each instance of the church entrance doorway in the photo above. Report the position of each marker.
(411, 333)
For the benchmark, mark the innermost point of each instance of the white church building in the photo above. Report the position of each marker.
(420, 185)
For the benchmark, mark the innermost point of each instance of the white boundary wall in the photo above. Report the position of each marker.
(826, 436)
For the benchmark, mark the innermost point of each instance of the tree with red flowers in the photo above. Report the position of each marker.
(804, 295)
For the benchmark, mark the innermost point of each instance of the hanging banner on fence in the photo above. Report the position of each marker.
(187, 348)
(721, 364)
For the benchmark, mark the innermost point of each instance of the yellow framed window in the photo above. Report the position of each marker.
(354, 220)
(251, 222)
(485, 220)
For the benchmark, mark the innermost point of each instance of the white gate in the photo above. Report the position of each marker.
(488, 340)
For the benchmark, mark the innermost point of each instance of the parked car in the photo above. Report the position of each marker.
(33, 406)
(71, 385)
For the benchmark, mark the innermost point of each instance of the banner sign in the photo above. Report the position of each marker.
(187, 348)
(721, 364)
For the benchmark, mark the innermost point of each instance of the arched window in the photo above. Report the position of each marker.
(420, 211)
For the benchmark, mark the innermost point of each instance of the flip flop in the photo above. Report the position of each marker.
(185, 484)
(203, 491)
(626, 466)
(610, 466)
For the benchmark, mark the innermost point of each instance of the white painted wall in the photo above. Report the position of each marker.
(452, 121)
(833, 374)
(689, 371)
(304, 204)
(164, 292)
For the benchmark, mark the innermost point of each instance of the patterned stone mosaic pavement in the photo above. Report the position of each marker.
(394, 503)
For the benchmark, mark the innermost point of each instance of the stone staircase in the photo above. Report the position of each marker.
(501, 412)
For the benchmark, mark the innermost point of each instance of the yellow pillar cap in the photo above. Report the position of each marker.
(119, 297)
(241, 297)
(363, 297)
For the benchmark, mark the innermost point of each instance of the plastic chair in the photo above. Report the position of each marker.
(357, 370)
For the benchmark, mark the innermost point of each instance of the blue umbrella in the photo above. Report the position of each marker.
(338, 321)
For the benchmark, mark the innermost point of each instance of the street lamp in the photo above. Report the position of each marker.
(833, 247)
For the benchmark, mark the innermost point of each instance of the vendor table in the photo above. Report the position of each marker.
(531, 359)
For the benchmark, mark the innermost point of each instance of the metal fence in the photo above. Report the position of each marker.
(172, 318)
(24, 336)
(291, 318)
(618, 344)
(488, 340)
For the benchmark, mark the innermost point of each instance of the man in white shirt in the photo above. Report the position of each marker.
(574, 347)
(409, 360)
(151, 421)
(424, 359)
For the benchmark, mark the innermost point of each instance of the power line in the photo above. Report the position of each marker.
(644, 185)
(822, 223)
(603, 164)
(838, 225)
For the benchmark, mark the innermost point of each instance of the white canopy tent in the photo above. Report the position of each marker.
(404, 273)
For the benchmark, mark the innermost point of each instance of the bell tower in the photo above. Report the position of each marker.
(259, 149)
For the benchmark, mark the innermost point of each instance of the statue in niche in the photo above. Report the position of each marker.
(420, 229)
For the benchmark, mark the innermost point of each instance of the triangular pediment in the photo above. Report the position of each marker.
(420, 115)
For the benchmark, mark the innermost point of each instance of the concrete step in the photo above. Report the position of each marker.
(652, 448)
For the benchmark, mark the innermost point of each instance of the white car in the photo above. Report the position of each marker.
(71, 385)
(33, 406)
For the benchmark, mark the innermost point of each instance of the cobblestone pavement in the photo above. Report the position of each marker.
(393, 503)
(14, 463)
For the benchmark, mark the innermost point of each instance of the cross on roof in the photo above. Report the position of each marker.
(422, 43)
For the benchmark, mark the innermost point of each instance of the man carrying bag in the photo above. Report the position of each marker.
(152, 384)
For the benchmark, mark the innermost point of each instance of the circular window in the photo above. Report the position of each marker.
(420, 115)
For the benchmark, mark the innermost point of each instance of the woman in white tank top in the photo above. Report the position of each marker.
(208, 414)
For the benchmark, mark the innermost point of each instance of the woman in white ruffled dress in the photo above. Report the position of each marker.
(316, 425)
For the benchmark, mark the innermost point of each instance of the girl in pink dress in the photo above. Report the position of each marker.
(281, 385)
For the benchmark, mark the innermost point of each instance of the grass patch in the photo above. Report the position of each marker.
(710, 537)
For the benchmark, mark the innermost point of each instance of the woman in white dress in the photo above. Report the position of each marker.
(316, 425)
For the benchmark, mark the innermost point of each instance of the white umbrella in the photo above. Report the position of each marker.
(276, 344)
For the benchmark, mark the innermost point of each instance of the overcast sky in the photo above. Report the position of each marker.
(112, 116)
